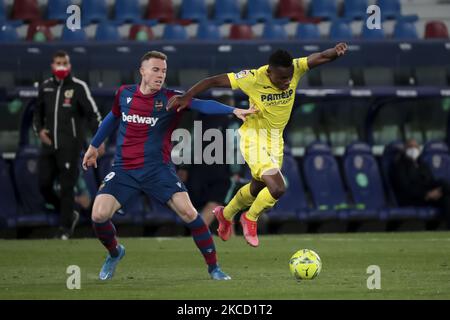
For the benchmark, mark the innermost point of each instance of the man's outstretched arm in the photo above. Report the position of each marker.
(183, 101)
(319, 58)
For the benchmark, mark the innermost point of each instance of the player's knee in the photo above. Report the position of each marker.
(277, 191)
(101, 214)
(189, 214)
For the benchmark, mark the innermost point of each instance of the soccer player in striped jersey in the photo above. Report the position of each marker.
(142, 160)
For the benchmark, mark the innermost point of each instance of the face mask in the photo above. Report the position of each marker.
(413, 153)
(61, 72)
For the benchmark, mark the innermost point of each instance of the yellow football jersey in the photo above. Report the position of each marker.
(274, 105)
(261, 134)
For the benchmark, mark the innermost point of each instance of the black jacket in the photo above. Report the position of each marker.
(62, 107)
(411, 180)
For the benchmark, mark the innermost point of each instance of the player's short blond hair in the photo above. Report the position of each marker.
(153, 54)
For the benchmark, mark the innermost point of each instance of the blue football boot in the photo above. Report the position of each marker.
(218, 274)
(110, 264)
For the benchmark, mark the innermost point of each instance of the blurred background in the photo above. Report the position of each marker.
(352, 115)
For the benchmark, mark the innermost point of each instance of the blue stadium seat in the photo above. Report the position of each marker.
(323, 179)
(8, 201)
(8, 33)
(174, 32)
(127, 11)
(390, 9)
(56, 9)
(227, 11)
(75, 35)
(405, 30)
(436, 155)
(340, 30)
(390, 152)
(372, 34)
(307, 31)
(208, 31)
(93, 11)
(26, 177)
(107, 32)
(194, 10)
(259, 10)
(355, 9)
(292, 204)
(2, 12)
(104, 164)
(274, 31)
(91, 181)
(323, 9)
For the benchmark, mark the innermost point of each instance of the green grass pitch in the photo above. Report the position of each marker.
(413, 266)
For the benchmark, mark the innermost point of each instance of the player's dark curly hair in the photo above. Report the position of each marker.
(280, 58)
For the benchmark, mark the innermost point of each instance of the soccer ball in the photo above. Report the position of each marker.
(305, 264)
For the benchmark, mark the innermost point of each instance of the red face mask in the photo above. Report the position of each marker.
(61, 72)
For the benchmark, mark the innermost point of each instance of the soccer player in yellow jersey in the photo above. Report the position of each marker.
(271, 90)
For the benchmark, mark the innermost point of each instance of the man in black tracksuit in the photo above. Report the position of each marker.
(63, 105)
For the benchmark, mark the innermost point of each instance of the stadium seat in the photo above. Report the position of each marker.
(56, 9)
(195, 10)
(8, 201)
(291, 9)
(340, 30)
(161, 10)
(390, 9)
(259, 10)
(355, 9)
(2, 12)
(307, 31)
(405, 30)
(378, 76)
(127, 11)
(227, 11)
(323, 179)
(431, 76)
(107, 32)
(208, 31)
(335, 77)
(141, 32)
(436, 30)
(27, 10)
(105, 163)
(435, 154)
(241, 32)
(39, 32)
(390, 152)
(75, 35)
(8, 33)
(372, 34)
(174, 32)
(364, 181)
(293, 203)
(323, 9)
(32, 211)
(94, 11)
(274, 31)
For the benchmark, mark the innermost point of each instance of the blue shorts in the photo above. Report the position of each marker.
(160, 181)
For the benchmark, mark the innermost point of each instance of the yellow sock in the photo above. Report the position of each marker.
(263, 201)
(241, 200)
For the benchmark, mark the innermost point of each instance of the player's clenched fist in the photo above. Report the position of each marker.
(341, 48)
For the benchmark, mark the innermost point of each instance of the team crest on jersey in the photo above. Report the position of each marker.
(158, 105)
(68, 95)
(241, 74)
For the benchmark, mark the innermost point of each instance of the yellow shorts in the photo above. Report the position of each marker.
(261, 156)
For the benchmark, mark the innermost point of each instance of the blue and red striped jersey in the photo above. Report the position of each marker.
(145, 129)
